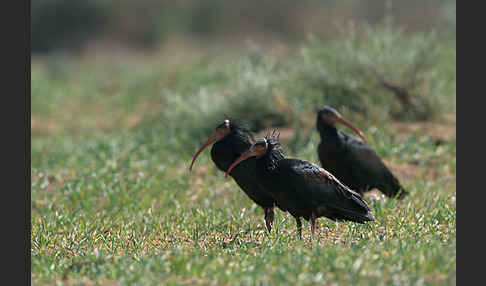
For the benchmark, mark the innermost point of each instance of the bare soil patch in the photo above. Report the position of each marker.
(442, 131)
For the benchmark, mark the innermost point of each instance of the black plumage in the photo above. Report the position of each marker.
(351, 160)
(229, 141)
(303, 189)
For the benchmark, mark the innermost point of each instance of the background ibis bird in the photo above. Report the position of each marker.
(350, 159)
(302, 188)
(230, 140)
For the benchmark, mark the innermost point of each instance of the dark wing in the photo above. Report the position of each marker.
(367, 167)
(324, 191)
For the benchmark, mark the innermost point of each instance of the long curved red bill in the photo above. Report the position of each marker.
(211, 139)
(249, 153)
(355, 129)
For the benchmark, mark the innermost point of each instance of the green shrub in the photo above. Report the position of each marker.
(261, 89)
(379, 69)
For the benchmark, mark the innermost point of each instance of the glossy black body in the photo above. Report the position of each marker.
(354, 163)
(307, 190)
(227, 150)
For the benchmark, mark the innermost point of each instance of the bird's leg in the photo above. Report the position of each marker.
(313, 223)
(268, 218)
(299, 226)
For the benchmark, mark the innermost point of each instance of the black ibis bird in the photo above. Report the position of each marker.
(229, 141)
(350, 159)
(302, 188)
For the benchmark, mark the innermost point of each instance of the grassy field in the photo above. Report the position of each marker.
(113, 202)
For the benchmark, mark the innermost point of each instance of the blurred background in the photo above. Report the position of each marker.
(101, 65)
(146, 26)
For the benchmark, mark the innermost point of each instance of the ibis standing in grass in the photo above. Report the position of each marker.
(229, 141)
(302, 188)
(350, 159)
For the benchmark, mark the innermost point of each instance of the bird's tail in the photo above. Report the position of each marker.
(392, 188)
(401, 193)
(359, 212)
(354, 216)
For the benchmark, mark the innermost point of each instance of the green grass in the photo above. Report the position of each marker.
(115, 210)
(113, 201)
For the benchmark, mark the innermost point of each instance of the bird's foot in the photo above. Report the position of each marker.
(299, 227)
